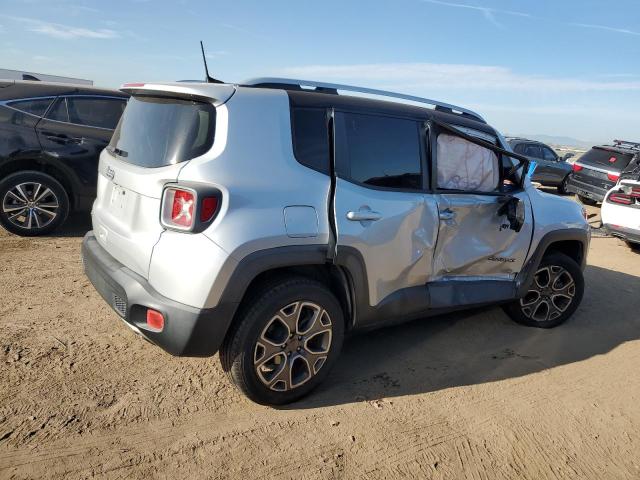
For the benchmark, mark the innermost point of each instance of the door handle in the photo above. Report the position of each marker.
(363, 216)
(447, 214)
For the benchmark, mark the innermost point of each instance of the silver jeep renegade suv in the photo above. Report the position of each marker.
(266, 220)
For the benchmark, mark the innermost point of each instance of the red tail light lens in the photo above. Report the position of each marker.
(635, 192)
(178, 206)
(208, 208)
(576, 167)
(155, 320)
(614, 177)
(621, 198)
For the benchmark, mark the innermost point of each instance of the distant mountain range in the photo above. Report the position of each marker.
(558, 140)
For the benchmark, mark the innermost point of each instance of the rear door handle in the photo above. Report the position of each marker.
(363, 216)
(447, 214)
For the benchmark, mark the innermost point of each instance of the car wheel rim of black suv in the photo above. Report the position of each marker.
(30, 205)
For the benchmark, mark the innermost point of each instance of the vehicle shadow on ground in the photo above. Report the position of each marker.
(75, 226)
(479, 346)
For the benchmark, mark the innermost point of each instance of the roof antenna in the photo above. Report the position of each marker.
(208, 78)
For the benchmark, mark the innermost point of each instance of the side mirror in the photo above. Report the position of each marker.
(567, 156)
(514, 210)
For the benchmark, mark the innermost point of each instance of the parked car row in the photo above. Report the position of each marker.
(51, 135)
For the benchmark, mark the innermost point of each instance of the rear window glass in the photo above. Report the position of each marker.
(95, 112)
(379, 151)
(311, 138)
(34, 107)
(606, 159)
(155, 132)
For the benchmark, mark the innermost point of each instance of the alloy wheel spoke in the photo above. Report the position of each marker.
(47, 212)
(16, 197)
(24, 196)
(293, 346)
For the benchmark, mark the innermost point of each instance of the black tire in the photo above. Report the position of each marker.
(36, 221)
(531, 310)
(587, 201)
(562, 188)
(270, 381)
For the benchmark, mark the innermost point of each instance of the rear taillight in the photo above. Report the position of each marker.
(178, 207)
(635, 192)
(576, 167)
(189, 209)
(208, 208)
(614, 177)
(620, 198)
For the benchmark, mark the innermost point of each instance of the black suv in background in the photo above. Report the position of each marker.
(51, 135)
(551, 169)
(598, 171)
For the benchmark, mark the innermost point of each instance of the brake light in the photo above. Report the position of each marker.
(635, 192)
(614, 177)
(178, 206)
(620, 198)
(155, 320)
(576, 167)
(133, 85)
(208, 208)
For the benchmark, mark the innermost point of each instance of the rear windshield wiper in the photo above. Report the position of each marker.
(117, 151)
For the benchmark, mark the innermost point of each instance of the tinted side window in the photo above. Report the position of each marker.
(548, 154)
(533, 151)
(34, 107)
(59, 111)
(380, 151)
(519, 148)
(311, 138)
(95, 112)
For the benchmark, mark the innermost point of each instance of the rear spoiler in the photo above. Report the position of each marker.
(216, 93)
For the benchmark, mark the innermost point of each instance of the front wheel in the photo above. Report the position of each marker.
(32, 203)
(553, 296)
(285, 341)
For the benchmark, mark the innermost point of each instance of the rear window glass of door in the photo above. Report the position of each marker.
(34, 107)
(59, 111)
(466, 166)
(379, 151)
(95, 112)
(155, 132)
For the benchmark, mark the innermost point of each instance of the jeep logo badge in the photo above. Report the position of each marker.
(110, 173)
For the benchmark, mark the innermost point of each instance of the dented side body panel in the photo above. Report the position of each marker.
(477, 241)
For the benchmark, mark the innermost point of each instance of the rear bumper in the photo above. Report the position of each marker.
(188, 331)
(628, 234)
(586, 189)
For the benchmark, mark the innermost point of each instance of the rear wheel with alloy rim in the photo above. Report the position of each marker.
(285, 341)
(554, 294)
(32, 203)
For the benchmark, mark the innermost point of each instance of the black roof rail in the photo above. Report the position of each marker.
(332, 88)
(627, 144)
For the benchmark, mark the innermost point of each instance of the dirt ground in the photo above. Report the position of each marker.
(470, 395)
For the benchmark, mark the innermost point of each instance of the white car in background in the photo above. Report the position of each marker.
(621, 212)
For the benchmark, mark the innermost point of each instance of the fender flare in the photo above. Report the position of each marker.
(526, 275)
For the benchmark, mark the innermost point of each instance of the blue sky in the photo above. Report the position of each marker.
(557, 67)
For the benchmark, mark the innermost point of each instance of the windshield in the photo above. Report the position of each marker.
(155, 132)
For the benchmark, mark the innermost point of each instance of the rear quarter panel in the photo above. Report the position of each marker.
(253, 164)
